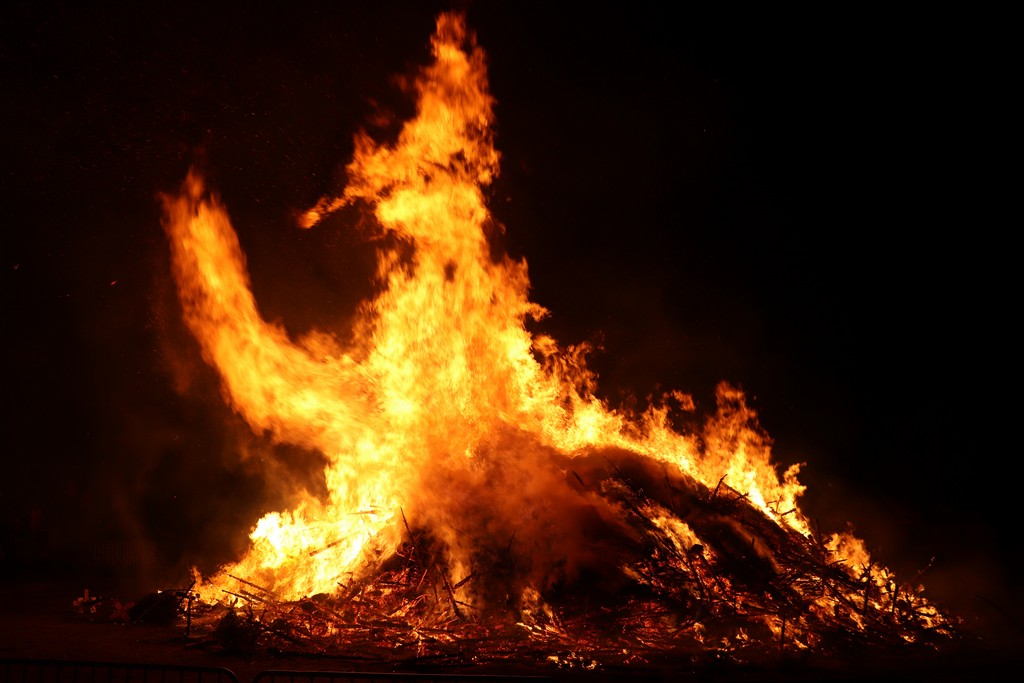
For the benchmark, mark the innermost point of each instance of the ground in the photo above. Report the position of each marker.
(40, 621)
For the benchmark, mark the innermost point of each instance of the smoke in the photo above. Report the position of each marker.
(518, 514)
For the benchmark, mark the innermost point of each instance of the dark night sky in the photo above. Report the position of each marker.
(812, 206)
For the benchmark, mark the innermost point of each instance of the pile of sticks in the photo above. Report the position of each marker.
(750, 587)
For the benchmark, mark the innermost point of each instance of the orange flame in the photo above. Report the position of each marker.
(443, 408)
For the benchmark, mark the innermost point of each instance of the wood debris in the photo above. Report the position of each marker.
(750, 587)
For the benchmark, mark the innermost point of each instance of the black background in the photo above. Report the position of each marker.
(812, 205)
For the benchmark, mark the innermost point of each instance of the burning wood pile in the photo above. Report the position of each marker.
(751, 588)
(482, 503)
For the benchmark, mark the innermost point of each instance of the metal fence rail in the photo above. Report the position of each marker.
(60, 671)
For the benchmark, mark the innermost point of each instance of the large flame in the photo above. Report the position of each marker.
(442, 411)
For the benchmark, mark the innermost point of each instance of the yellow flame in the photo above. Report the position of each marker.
(442, 408)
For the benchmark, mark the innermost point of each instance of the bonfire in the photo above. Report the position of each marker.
(482, 502)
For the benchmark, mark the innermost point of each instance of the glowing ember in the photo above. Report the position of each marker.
(452, 432)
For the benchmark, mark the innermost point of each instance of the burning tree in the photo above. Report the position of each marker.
(476, 487)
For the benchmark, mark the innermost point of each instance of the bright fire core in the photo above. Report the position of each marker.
(441, 411)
